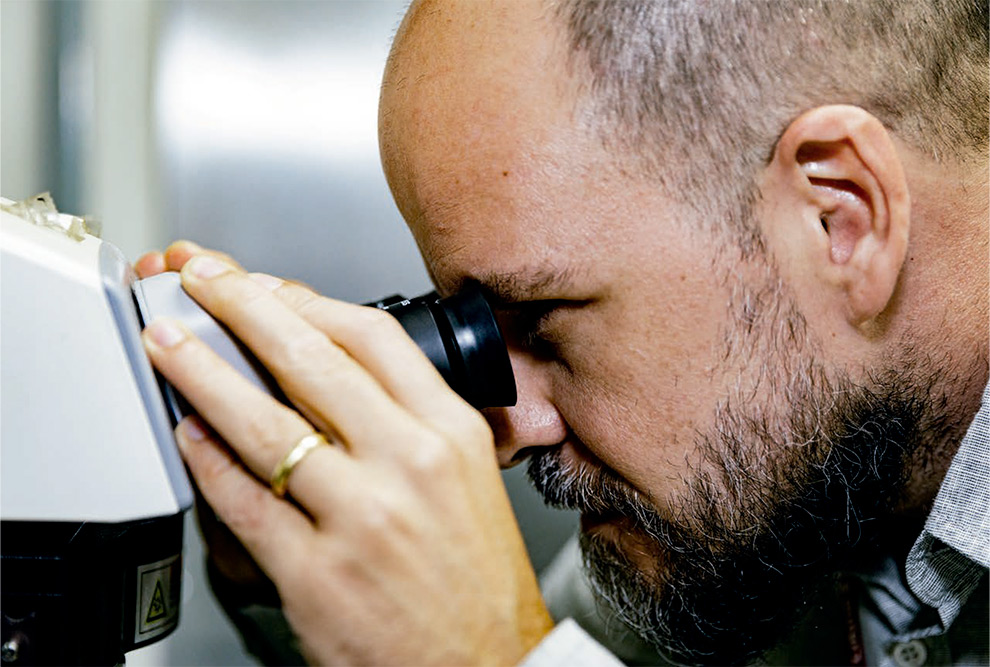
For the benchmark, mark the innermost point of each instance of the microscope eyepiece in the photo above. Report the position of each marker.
(460, 335)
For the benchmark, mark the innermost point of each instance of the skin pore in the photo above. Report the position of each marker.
(732, 427)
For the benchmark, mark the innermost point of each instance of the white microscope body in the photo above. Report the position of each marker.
(93, 488)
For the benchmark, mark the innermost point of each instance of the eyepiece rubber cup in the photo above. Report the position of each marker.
(460, 335)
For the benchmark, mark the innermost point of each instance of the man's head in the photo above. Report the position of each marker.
(721, 81)
(721, 238)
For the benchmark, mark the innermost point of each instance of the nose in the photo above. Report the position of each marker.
(533, 421)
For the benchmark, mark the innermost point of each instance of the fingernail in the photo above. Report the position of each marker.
(266, 281)
(165, 332)
(192, 428)
(206, 267)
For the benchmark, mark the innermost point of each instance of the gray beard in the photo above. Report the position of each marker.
(777, 505)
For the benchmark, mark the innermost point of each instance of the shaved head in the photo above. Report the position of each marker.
(722, 80)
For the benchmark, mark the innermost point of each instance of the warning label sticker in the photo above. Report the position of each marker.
(156, 609)
(157, 598)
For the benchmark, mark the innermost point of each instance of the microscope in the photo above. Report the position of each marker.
(92, 487)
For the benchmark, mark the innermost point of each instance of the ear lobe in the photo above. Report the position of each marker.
(848, 181)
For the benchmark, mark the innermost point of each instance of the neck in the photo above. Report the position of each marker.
(947, 320)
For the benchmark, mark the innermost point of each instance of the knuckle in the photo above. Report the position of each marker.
(203, 368)
(260, 427)
(468, 431)
(477, 429)
(430, 457)
(381, 515)
(301, 299)
(376, 322)
(210, 471)
(305, 350)
(235, 293)
(247, 517)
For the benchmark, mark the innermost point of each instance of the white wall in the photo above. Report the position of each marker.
(27, 97)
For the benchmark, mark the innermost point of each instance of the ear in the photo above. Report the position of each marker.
(842, 213)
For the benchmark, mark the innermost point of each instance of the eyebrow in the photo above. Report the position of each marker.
(526, 284)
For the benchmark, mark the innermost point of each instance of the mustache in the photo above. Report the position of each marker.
(598, 491)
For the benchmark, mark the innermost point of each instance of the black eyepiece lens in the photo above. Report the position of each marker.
(460, 335)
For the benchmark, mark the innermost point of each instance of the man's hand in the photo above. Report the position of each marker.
(399, 544)
(229, 558)
(175, 257)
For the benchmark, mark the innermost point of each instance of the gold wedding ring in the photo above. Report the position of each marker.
(306, 444)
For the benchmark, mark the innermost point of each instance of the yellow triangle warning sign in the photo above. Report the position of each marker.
(156, 609)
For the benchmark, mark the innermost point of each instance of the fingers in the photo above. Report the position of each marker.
(174, 258)
(180, 252)
(150, 264)
(378, 342)
(257, 426)
(325, 383)
(272, 530)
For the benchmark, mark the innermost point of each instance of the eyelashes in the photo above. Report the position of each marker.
(528, 321)
(535, 327)
(538, 324)
(541, 326)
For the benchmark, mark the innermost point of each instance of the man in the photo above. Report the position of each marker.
(740, 255)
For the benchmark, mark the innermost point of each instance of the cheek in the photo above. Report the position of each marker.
(638, 396)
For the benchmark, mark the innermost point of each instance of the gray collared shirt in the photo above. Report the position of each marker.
(934, 611)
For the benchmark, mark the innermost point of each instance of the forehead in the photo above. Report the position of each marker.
(481, 63)
(487, 150)
(476, 109)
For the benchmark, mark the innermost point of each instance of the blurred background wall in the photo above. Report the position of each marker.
(245, 126)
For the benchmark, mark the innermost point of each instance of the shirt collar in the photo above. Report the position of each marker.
(953, 551)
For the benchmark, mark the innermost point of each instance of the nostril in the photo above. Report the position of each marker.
(533, 450)
(523, 454)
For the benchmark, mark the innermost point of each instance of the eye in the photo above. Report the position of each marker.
(541, 326)
(523, 322)
(534, 321)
